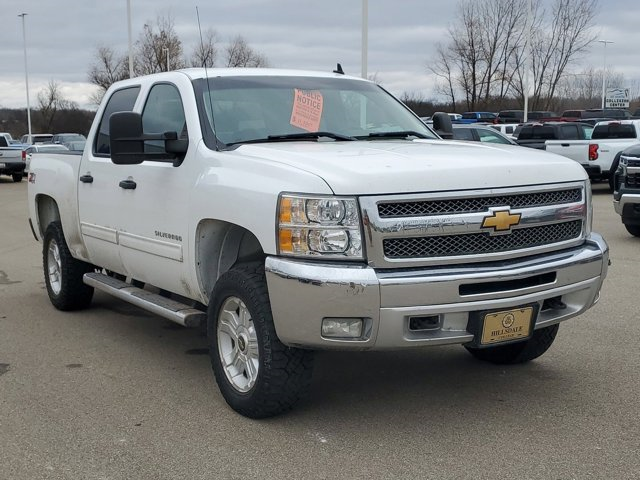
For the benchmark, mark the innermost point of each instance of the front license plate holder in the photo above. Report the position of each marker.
(499, 327)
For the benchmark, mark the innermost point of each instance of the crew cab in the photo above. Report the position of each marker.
(12, 160)
(600, 155)
(286, 212)
(539, 135)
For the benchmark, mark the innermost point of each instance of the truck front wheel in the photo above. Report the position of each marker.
(63, 273)
(257, 375)
(520, 352)
(633, 230)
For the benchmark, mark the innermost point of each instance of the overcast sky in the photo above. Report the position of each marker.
(63, 35)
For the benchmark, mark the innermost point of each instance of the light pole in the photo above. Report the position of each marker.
(365, 35)
(604, 70)
(166, 51)
(26, 73)
(130, 39)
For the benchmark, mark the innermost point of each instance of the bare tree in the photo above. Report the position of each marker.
(50, 101)
(567, 35)
(206, 52)
(107, 68)
(483, 61)
(158, 49)
(239, 54)
(443, 68)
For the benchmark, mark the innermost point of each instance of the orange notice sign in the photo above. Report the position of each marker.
(307, 110)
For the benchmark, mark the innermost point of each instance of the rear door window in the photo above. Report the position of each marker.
(120, 101)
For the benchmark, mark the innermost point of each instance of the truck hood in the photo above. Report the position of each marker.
(381, 167)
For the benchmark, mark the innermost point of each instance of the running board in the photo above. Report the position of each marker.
(152, 302)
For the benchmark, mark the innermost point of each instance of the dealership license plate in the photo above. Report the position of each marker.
(506, 325)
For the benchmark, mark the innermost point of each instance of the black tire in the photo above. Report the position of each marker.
(520, 352)
(17, 177)
(633, 230)
(283, 374)
(63, 276)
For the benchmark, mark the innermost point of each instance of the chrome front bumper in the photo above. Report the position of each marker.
(626, 198)
(302, 294)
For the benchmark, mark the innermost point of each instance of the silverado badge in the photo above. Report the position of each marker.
(501, 221)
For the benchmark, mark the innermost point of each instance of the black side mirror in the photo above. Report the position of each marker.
(127, 142)
(126, 139)
(442, 125)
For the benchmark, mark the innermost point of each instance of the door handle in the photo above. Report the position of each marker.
(128, 184)
(565, 144)
(86, 178)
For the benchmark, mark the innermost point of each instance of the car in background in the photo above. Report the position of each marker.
(508, 129)
(509, 116)
(538, 135)
(36, 138)
(76, 146)
(542, 116)
(455, 117)
(480, 133)
(42, 148)
(475, 117)
(63, 138)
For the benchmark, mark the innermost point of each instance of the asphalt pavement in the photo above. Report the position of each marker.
(114, 392)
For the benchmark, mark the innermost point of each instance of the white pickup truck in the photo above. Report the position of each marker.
(12, 160)
(600, 156)
(292, 211)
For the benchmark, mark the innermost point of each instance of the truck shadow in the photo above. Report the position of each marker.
(431, 385)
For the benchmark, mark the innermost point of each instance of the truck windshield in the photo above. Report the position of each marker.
(248, 109)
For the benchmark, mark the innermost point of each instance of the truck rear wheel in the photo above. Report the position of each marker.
(257, 375)
(520, 352)
(17, 177)
(633, 230)
(63, 273)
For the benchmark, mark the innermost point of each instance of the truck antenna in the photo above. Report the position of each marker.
(206, 74)
(339, 70)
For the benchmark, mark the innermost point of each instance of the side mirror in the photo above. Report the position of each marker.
(442, 125)
(127, 142)
(126, 139)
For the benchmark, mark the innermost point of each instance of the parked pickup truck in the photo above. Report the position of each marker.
(12, 160)
(287, 212)
(536, 135)
(600, 156)
(626, 193)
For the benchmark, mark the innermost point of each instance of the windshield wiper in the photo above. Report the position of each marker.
(310, 135)
(296, 136)
(398, 134)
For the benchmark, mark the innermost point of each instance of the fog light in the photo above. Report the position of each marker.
(342, 327)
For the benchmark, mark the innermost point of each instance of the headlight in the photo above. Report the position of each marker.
(319, 226)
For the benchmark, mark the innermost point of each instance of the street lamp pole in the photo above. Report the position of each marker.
(130, 39)
(365, 36)
(166, 51)
(26, 74)
(604, 70)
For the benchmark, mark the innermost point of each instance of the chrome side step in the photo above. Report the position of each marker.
(152, 302)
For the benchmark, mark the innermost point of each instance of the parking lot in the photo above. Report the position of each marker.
(114, 392)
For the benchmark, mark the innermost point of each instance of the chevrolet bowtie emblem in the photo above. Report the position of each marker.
(501, 221)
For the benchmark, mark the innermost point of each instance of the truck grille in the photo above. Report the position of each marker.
(467, 226)
(480, 243)
(633, 180)
(478, 204)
